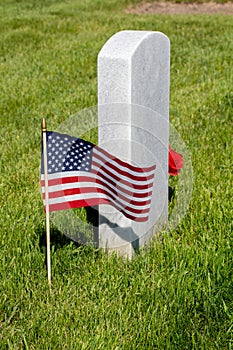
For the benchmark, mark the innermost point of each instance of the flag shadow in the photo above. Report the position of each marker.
(126, 233)
(57, 239)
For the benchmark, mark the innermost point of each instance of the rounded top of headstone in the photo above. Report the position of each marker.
(125, 43)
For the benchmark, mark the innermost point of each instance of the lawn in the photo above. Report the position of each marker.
(177, 293)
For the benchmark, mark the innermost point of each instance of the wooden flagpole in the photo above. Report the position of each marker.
(45, 160)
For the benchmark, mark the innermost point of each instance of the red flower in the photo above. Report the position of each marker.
(175, 162)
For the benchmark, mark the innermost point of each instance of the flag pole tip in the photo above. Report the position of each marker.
(43, 124)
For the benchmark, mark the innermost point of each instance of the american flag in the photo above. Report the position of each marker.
(82, 174)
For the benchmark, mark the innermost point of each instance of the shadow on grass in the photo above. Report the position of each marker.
(57, 239)
(171, 193)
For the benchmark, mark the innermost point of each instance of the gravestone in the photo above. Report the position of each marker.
(133, 124)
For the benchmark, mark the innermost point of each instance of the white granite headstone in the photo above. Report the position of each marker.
(133, 122)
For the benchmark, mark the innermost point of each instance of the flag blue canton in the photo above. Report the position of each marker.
(67, 153)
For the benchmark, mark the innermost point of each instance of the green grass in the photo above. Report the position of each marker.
(177, 294)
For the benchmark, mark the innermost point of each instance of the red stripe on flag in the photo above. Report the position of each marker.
(122, 163)
(118, 178)
(83, 190)
(91, 202)
(103, 164)
(118, 183)
(104, 182)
